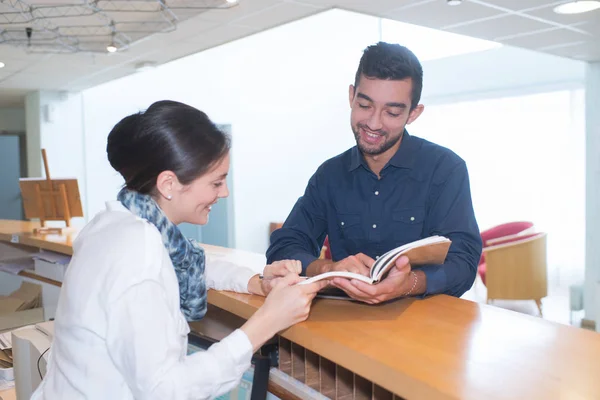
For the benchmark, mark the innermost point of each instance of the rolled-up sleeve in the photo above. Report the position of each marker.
(451, 215)
(225, 275)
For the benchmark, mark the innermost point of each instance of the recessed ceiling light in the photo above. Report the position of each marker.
(1, 64)
(577, 7)
(453, 2)
(231, 1)
(111, 48)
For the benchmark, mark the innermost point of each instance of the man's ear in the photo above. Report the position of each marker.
(415, 113)
(351, 92)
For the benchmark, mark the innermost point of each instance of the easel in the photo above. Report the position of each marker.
(50, 200)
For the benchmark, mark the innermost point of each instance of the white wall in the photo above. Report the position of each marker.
(12, 119)
(592, 272)
(525, 160)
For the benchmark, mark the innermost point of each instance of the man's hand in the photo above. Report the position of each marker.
(400, 281)
(359, 263)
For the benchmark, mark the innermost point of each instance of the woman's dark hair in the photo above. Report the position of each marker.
(167, 136)
(392, 62)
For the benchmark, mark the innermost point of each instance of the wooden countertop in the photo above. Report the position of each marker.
(446, 348)
(438, 348)
(21, 232)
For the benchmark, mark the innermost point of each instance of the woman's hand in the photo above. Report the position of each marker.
(272, 273)
(286, 305)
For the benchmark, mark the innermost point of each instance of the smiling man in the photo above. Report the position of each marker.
(390, 189)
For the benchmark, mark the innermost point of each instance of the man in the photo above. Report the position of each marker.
(391, 189)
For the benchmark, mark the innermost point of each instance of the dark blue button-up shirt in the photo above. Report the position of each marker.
(422, 191)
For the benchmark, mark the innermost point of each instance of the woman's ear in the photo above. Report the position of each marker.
(167, 184)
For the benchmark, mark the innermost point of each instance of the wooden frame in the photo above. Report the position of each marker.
(50, 199)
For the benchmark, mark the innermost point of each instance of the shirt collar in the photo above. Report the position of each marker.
(404, 157)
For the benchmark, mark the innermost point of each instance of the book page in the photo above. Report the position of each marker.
(432, 250)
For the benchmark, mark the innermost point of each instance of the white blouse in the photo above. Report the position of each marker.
(119, 332)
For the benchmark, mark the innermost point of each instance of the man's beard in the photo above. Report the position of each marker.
(387, 144)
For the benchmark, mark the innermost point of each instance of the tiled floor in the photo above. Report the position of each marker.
(555, 307)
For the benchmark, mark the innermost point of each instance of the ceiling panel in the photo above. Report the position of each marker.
(241, 10)
(499, 27)
(278, 14)
(379, 7)
(438, 14)
(517, 5)
(221, 34)
(103, 76)
(593, 28)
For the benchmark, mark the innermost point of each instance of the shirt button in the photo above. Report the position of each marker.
(374, 226)
(377, 257)
(412, 218)
(377, 193)
(342, 223)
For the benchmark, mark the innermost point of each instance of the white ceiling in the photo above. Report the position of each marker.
(522, 23)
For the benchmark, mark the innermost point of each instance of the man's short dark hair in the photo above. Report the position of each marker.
(392, 62)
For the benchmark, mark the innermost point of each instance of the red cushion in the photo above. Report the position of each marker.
(510, 228)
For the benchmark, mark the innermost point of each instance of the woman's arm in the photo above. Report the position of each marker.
(224, 275)
(145, 343)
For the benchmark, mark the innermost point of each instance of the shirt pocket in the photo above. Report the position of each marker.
(408, 224)
(349, 225)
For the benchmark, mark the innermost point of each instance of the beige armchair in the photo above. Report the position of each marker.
(517, 270)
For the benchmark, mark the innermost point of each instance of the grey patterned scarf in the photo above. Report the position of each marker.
(187, 257)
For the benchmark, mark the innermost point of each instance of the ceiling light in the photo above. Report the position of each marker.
(577, 7)
(111, 48)
(1, 64)
(453, 2)
(231, 1)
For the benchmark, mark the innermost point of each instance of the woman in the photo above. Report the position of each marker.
(120, 328)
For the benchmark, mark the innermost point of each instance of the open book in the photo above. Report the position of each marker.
(431, 250)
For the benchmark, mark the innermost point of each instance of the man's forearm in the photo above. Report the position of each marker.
(453, 278)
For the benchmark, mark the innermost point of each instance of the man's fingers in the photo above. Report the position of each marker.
(350, 289)
(368, 290)
(358, 266)
(284, 267)
(366, 260)
(293, 266)
(298, 267)
(402, 263)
